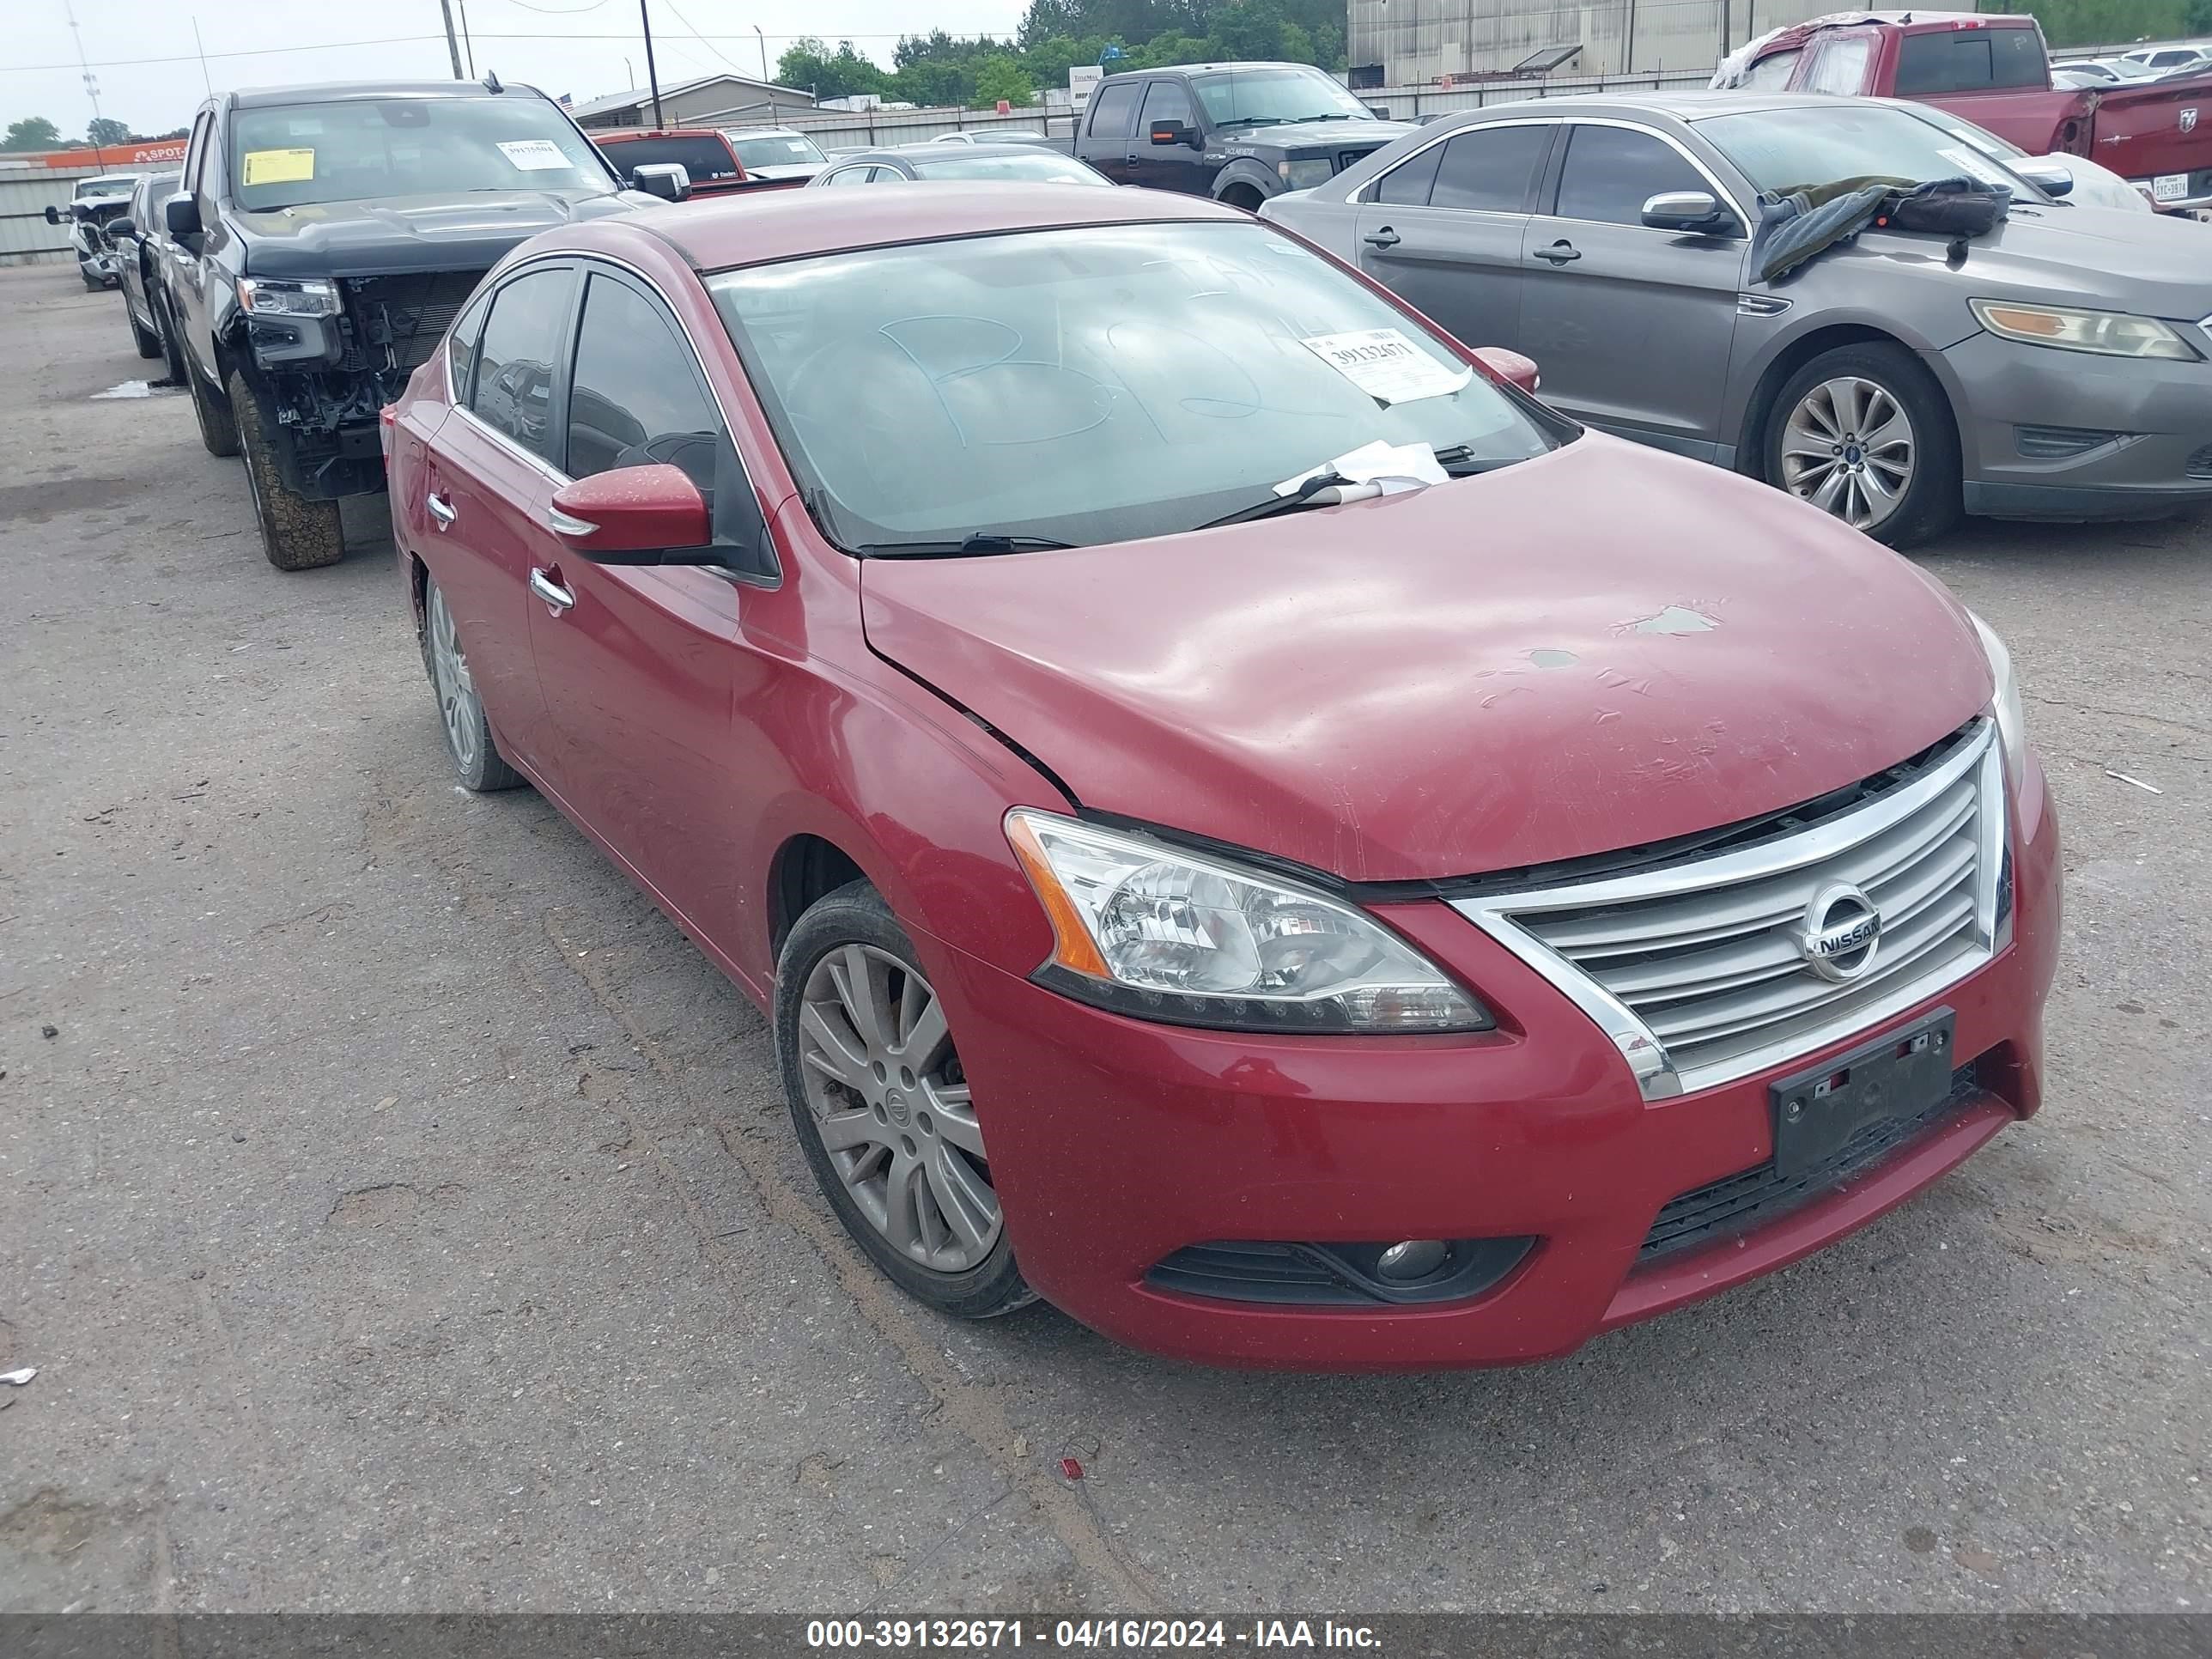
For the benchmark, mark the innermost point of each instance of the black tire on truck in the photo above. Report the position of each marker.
(166, 320)
(296, 534)
(148, 340)
(218, 430)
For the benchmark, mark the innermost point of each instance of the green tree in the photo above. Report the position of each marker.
(31, 132)
(843, 73)
(107, 130)
(1002, 76)
(2198, 18)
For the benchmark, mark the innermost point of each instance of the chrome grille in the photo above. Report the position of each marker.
(1702, 971)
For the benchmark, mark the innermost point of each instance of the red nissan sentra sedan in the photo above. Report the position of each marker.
(1247, 824)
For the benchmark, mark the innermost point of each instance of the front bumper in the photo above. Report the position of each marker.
(2067, 434)
(1115, 1144)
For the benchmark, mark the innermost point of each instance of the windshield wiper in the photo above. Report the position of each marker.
(1459, 461)
(1308, 494)
(1253, 121)
(980, 543)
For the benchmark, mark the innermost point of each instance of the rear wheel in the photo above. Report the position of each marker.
(297, 533)
(1863, 432)
(165, 321)
(883, 1108)
(218, 430)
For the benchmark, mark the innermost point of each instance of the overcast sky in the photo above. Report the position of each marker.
(576, 46)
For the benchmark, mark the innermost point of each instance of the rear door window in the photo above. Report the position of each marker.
(1491, 169)
(1773, 74)
(516, 354)
(702, 157)
(1840, 69)
(1611, 172)
(1969, 60)
(1114, 109)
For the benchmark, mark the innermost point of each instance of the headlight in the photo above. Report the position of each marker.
(1304, 175)
(2107, 333)
(1151, 930)
(2012, 721)
(288, 299)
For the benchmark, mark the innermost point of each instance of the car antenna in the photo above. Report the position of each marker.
(491, 83)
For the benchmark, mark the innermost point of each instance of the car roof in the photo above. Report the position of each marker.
(332, 92)
(1685, 106)
(758, 229)
(933, 149)
(609, 134)
(760, 132)
(1208, 68)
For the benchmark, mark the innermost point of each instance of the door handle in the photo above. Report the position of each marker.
(441, 510)
(1559, 252)
(1385, 237)
(551, 592)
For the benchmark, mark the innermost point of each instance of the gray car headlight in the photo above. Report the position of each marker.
(1304, 175)
(267, 299)
(2005, 705)
(1160, 932)
(2106, 333)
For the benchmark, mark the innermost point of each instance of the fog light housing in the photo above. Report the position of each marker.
(1411, 1259)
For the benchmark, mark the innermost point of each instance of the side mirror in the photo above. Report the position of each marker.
(1380, 112)
(634, 515)
(1692, 211)
(53, 215)
(182, 214)
(1510, 366)
(669, 180)
(2052, 178)
(1176, 132)
(119, 228)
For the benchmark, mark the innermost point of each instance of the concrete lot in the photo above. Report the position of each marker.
(401, 1215)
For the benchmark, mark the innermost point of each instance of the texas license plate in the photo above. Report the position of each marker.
(2170, 187)
(1903, 1075)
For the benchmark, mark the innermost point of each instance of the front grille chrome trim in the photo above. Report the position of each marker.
(1976, 763)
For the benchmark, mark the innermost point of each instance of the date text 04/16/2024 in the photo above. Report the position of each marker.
(915, 1634)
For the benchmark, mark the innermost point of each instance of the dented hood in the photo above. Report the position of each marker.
(1598, 648)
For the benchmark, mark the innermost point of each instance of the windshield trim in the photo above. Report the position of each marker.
(1555, 430)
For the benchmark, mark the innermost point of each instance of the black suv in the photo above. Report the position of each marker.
(325, 237)
(1237, 132)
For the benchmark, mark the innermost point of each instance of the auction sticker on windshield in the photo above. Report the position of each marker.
(534, 154)
(1386, 365)
(279, 166)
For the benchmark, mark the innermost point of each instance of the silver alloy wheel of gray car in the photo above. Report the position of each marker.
(1847, 448)
(450, 678)
(891, 1105)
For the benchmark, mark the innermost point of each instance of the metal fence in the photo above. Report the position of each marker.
(26, 238)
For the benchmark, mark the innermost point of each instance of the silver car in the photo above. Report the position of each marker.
(2058, 367)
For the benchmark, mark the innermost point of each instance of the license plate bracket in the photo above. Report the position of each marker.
(2170, 186)
(1902, 1074)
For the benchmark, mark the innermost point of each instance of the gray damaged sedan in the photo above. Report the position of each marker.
(2058, 367)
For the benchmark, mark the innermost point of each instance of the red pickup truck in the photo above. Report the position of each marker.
(1996, 71)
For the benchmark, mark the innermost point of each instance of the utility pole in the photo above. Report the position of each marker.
(763, 46)
(91, 81)
(651, 75)
(452, 41)
(468, 46)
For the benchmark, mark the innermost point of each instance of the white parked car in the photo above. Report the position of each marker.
(2168, 60)
(2092, 187)
(776, 152)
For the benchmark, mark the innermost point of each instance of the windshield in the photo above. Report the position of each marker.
(1815, 150)
(1272, 97)
(1086, 385)
(291, 155)
(784, 151)
(101, 190)
(1967, 133)
(1046, 168)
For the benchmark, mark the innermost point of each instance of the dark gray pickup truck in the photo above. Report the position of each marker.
(324, 237)
(1238, 132)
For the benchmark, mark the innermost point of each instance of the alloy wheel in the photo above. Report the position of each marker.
(888, 1098)
(449, 676)
(1847, 448)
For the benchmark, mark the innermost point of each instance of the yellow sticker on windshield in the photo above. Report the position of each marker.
(279, 166)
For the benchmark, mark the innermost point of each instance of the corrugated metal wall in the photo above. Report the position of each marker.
(1415, 41)
(26, 238)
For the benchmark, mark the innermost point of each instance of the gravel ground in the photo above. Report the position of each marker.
(402, 1216)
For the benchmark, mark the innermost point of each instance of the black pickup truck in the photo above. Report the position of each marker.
(324, 237)
(1237, 132)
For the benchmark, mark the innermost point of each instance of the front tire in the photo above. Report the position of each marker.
(148, 341)
(883, 1108)
(166, 320)
(1864, 432)
(296, 534)
(476, 759)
